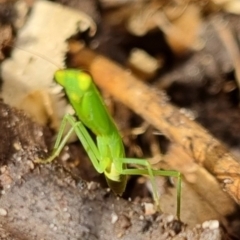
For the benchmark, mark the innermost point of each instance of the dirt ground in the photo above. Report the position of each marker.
(168, 72)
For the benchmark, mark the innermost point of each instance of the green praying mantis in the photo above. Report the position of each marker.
(106, 152)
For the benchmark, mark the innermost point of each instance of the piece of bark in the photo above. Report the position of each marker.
(155, 108)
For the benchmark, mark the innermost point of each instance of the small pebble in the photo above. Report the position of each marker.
(149, 209)
(3, 212)
(52, 225)
(114, 218)
(17, 146)
(3, 169)
(214, 224)
(211, 224)
(169, 218)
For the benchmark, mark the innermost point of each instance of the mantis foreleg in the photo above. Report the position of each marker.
(83, 135)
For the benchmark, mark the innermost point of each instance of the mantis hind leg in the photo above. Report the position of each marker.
(152, 173)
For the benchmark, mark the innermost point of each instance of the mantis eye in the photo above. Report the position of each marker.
(84, 80)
